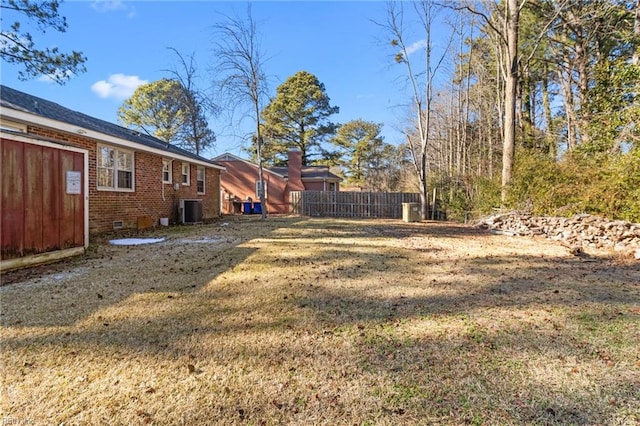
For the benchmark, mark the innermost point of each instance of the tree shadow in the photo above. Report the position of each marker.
(414, 332)
(66, 292)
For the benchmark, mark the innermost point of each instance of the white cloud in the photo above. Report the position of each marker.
(118, 86)
(418, 45)
(105, 6)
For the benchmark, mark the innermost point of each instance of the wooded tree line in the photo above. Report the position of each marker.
(530, 104)
(546, 92)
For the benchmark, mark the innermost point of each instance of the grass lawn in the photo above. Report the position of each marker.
(323, 321)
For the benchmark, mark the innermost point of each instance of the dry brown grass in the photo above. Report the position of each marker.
(323, 321)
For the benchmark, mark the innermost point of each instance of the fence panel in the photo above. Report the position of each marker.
(350, 204)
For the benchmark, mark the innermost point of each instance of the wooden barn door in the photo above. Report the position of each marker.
(43, 198)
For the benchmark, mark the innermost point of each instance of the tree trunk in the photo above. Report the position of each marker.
(582, 67)
(509, 135)
(548, 117)
(636, 31)
(569, 107)
(263, 205)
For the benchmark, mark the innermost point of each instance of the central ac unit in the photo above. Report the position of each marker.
(190, 211)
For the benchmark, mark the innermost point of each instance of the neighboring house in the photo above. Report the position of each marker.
(66, 175)
(240, 181)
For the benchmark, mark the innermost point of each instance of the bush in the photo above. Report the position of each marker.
(464, 198)
(487, 195)
(600, 184)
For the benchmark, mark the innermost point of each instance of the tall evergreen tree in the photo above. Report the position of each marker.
(298, 117)
(167, 110)
(360, 148)
(155, 108)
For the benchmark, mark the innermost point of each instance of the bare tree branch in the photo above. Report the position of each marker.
(240, 74)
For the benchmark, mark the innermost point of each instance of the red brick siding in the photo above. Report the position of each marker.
(105, 207)
(294, 171)
(240, 177)
(240, 180)
(319, 186)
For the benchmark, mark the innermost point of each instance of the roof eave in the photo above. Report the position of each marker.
(34, 119)
(321, 179)
(236, 158)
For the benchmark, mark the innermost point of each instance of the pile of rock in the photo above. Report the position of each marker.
(578, 231)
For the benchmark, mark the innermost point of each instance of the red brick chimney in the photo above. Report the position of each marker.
(294, 170)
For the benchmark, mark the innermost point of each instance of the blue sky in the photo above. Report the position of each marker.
(126, 45)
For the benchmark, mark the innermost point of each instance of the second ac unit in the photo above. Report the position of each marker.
(190, 211)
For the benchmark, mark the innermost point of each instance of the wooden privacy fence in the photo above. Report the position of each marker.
(350, 204)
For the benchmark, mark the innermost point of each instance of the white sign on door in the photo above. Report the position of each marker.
(74, 182)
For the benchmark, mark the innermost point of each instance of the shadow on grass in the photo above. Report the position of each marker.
(67, 292)
(415, 332)
(549, 282)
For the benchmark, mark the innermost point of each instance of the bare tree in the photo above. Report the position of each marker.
(512, 16)
(508, 48)
(240, 74)
(422, 91)
(506, 32)
(194, 134)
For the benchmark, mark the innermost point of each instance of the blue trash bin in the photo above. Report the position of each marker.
(257, 208)
(246, 207)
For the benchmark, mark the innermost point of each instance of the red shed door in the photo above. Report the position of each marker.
(43, 193)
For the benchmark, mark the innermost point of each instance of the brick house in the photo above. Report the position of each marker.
(66, 175)
(239, 181)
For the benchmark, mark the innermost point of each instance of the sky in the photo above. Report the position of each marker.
(127, 44)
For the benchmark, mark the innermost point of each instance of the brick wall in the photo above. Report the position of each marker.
(239, 182)
(320, 186)
(151, 197)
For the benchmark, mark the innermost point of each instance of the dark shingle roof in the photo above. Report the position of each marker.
(17, 100)
(309, 172)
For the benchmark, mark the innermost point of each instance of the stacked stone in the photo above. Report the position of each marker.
(578, 231)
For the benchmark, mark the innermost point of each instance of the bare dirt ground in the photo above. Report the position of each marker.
(323, 321)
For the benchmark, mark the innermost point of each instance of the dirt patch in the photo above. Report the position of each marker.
(323, 321)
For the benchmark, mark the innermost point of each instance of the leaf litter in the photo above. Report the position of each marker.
(323, 321)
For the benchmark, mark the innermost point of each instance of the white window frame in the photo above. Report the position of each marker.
(115, 168)
(166, 168)
(201, 169)
(12, 126)
(187, 181)
(266, 189)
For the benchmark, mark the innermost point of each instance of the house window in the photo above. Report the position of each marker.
(186, 174)
(332, 186)
(166, 171)
(200, 180)
(115, 169)
(258, 190)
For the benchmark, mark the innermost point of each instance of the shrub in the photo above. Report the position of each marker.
(600, 184)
